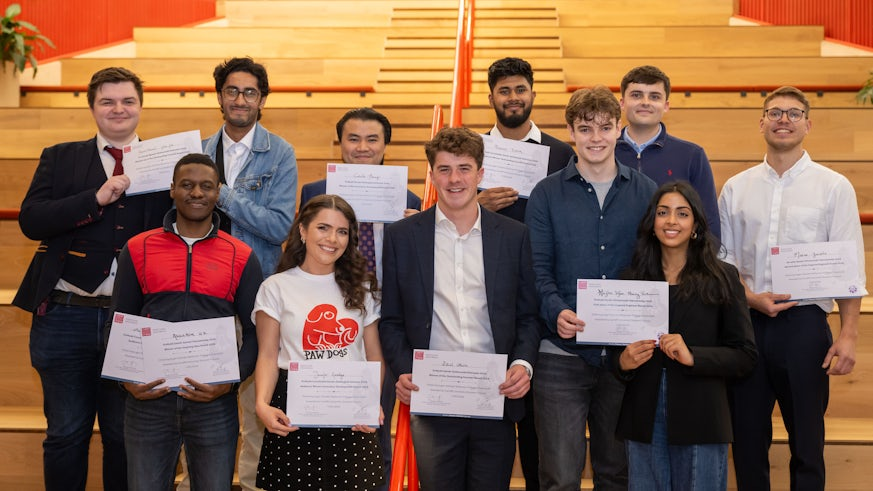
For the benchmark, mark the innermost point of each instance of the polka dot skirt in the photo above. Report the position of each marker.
(318, 458)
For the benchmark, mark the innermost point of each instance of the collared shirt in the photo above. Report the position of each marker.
(573, 238)
(639, 147)
(809, 203)
(105, 288)
(534, 135)
(235, 154)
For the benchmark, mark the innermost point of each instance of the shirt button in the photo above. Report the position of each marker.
(603, 277)
(590, 190)
(601, 217)
(603, 248)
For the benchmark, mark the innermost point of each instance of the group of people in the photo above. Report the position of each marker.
(484, 271)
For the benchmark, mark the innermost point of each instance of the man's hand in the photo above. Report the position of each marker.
(517, 383)
(769, 303)
(409, 212)
(495, 199)
(405, 387)
(198, 392)
(568, 324)
(112, 189)
(844, 351)
(144, 392)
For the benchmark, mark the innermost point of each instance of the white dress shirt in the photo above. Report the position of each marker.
(236, 154)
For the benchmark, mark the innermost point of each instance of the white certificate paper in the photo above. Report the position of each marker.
(123, 360)
(515, 164)
(816, 270)
(377, 193)
(332, 393)
(149, 163)
(619, 312)
(204, 350)
(458, 384)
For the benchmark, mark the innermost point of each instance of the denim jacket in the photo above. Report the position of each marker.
(261, 202)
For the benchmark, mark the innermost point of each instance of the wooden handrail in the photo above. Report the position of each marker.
(184, 89)
(738, 88)
(9, 214)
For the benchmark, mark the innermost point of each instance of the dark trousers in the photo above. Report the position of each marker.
(66, 349)
(791, 349)
(528, 446)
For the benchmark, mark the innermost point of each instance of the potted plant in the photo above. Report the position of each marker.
(18, 39)
(866, 92)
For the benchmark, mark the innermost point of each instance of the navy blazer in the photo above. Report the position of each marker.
(316, 188)
(407, 291)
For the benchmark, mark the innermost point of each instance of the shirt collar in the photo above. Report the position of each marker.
(442, 221)
(639, 147)
(533, 135)
(102, 142)
(247, 141)
(802, 164)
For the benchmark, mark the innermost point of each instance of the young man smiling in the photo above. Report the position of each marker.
(582, 223)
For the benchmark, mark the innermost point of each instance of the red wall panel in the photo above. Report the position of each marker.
(844, 20)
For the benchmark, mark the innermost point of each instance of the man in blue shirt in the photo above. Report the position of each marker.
(583, 223)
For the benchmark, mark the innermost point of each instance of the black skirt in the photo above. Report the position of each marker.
(318, 458)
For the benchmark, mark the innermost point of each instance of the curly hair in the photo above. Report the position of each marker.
(350, 270)
(588, 104)
(509, 67)
(703, 276)
(456, 141)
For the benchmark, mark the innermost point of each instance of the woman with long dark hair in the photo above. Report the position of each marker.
(321, 304)
(675, 416)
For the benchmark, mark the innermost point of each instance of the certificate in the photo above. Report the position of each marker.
(204, 350)
(149, 163)
(123, 360)
(618, 312)
(817, 270)
(515, 164)
(377, 193)
(458, 384)
(325, 393)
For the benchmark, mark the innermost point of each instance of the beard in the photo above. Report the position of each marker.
(513, 120)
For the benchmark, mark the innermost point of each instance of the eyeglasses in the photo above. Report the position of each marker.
(775, 114)
(250, 95)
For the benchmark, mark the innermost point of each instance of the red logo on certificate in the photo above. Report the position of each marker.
(419, 355)
(293, 366)
(126, 149)
(774, 251)
(331, 167)
(119, 317)
(582, 285)
(146, 331)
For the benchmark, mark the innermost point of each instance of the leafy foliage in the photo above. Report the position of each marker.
(18, 39)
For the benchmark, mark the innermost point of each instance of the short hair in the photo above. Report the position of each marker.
(195, 158)
(456, 141)
(509, 67)
(586, 104)
(646, 75)
(789, 91)
(248, 65)
(364, 114)
(112, 75)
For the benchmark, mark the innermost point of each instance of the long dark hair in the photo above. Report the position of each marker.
(350, 270)
(703, 276)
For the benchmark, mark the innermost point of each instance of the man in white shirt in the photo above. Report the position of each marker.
(788, 199)
(458, 277)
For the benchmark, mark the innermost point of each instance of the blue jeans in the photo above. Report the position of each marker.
(568, 393)
(154, 431)
(66, 349)
(659, 466)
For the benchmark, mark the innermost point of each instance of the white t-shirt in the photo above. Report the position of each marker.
(314, 323)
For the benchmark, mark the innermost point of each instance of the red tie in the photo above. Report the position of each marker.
(367, 246)
(117, 154)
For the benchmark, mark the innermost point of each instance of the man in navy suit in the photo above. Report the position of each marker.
(458, 277)
(77, 208)
(364, 134)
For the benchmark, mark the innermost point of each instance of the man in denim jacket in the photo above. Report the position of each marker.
(256, 202)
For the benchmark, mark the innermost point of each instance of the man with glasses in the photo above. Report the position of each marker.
(256, 200)
(788, 199)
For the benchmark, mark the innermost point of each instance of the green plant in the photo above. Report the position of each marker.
(866, 92)
(18, 40)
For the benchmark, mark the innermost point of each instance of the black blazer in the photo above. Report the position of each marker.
(723, 344)
(62, 200)
(407, 291)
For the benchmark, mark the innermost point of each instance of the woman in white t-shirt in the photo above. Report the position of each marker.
(321, 304)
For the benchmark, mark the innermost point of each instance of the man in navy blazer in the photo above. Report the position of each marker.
(458, 277)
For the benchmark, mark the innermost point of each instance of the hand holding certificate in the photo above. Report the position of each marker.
(333, 393)
(515, 164)
(817, 270)
(377, 193)
(149, 163)
(458, 384)
(620, 312)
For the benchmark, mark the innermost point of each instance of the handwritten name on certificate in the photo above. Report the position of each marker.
(458, 384)
(204, 350)
(618, 312)
(816, 270)
(515, 164)
(149, 163)
(377, 193)
(123, 360)
(332, 393)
